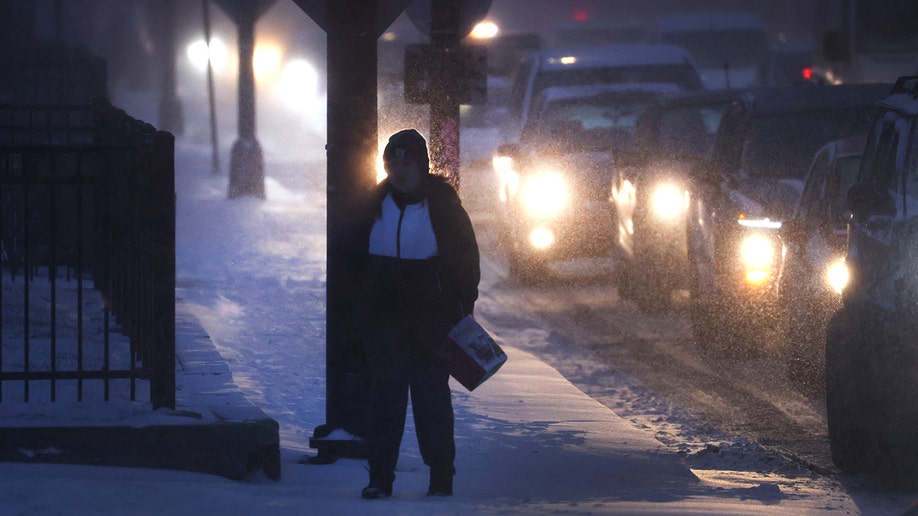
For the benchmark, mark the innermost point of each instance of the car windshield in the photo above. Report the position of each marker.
(689, 130)
(683, 75)
(847, 175)
(593, 124)
(711, 49)
(781, 147)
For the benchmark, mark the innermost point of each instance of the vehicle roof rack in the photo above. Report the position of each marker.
(906, 84)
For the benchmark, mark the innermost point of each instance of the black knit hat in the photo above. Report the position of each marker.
(412, 143)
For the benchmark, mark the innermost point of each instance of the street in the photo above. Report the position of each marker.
(717, 396)
(746, 396)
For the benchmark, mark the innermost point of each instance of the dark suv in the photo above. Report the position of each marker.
(815, 272)
(553, 185)
(764, 147)
(648, 194)
(871, 351)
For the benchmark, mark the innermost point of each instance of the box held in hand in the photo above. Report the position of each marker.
(474, 355)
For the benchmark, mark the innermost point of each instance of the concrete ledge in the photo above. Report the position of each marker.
(228, 449)
(215, 429)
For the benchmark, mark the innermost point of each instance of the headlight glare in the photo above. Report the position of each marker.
(541, 238)
(837, 275)
(757, 251)
(757, 276)
(757, 254)
(666, 201)
(544, 195)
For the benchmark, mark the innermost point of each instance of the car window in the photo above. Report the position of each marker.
(587, 124)
(783, 146)
(840, 182)
(809, 207)
(884, 164)
(879, 158)
(911, 165)
(596, 116)
(890, 159)
(690, 130)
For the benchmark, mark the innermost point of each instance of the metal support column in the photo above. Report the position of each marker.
(444, 98)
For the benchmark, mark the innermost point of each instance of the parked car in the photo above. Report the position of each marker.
(791, 64)
(750, 185)
(635, 63)
(871, 351)
(815, 272)
(649, 190)
(554, 182)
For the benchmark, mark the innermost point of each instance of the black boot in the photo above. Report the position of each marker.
(380, 486)
(441, 481)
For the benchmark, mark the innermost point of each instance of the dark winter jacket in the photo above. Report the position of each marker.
(448, 280)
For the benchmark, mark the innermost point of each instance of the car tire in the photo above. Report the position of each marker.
(896, 415)
(850, 409)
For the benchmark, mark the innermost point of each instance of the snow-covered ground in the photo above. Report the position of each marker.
(530, 442)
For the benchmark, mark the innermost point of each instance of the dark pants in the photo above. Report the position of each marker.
(406, 353)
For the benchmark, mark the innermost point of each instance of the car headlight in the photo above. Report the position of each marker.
(544, 194)
(837, 275)
(757, 254)
(541, 238)
(666, 201)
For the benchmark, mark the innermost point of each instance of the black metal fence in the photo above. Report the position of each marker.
(87, 227)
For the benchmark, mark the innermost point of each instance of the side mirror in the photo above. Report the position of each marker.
(865, 199)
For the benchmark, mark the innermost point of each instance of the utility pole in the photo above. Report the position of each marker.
(352, 27)
(214, 140)
(247, 163)
(351, 154)
(170, 117)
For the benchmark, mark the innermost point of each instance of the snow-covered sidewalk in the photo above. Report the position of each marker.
(251, 273)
